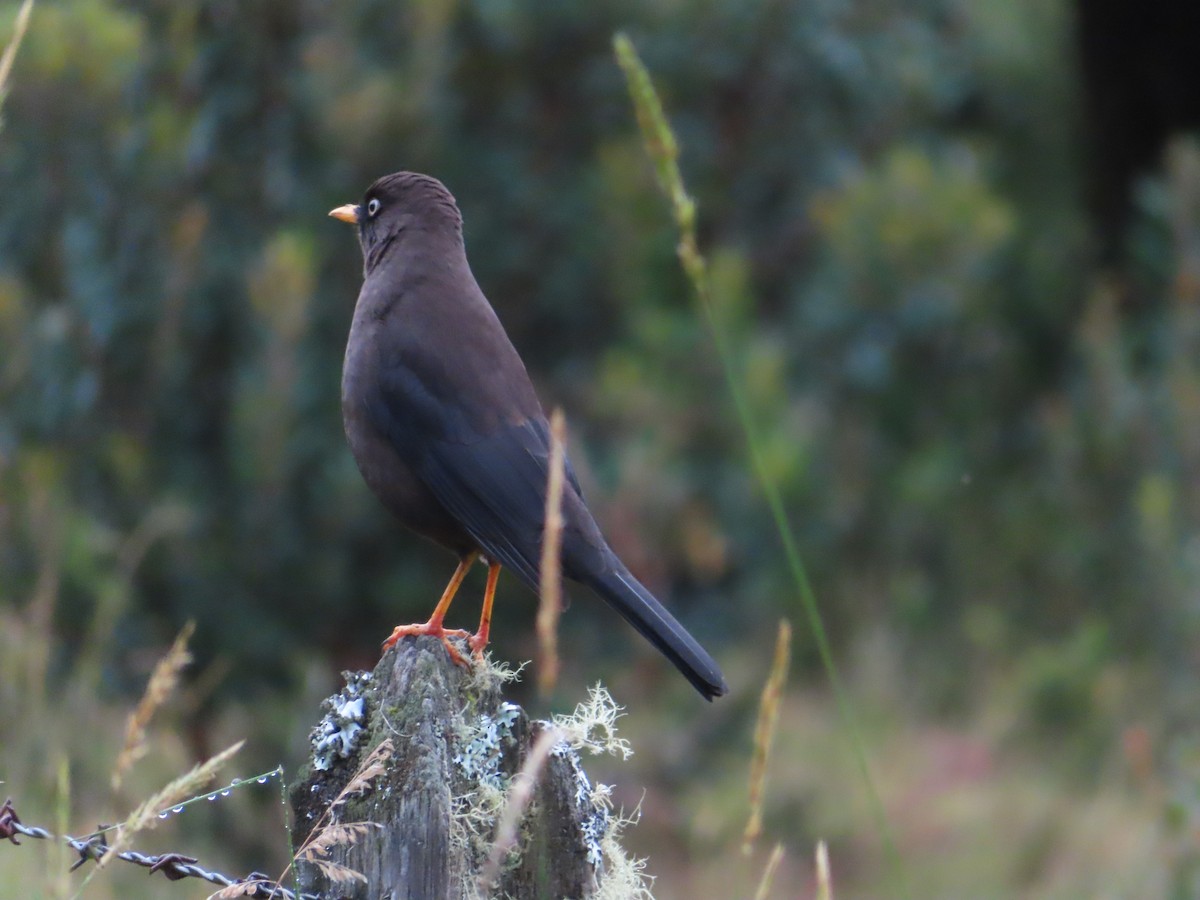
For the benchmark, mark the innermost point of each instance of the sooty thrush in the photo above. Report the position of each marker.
(446, 429)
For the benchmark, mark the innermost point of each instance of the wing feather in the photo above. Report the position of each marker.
(496, 487)
(484, 460)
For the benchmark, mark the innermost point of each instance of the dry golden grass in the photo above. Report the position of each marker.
(550, 605)
(326, 835)
(824, 881)
(317, 849)
(764, 731)
(768, 875)
(519, 795)
(244, 889)
(182, 788)
(162, 684)
(372, 767)
(20, 26)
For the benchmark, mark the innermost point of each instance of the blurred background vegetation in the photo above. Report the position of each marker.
(967, 321)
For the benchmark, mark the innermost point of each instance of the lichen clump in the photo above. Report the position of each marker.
(341, 730)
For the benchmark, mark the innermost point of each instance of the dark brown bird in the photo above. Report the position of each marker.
(447, 431)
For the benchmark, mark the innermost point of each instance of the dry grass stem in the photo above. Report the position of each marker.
(550, 606)
(335, 836)
(663, 150)
(764, 731)
(324, 835)
(519, 796)
(60, 859)
(46, 523)
(372, 767)
(182, 788)
(249, 888)
(768, 875)
(824, 879)
(161, 685)
(337, 873)
(10, 52)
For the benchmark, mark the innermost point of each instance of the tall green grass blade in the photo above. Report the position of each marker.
(664, 151)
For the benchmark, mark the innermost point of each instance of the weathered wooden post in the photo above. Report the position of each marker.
(456, 745)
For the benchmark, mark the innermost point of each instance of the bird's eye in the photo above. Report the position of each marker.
(373, 206)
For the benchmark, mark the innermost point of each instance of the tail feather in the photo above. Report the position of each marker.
(639, 608)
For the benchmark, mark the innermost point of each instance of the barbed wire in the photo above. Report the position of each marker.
(175, 866)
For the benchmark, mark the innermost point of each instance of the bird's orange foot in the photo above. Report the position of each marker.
(433, 629)
(477, 642)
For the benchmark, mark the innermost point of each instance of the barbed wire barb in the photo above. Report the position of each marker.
(175, 866)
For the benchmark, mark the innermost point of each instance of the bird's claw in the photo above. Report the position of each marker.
(432, 629)
(478, 643)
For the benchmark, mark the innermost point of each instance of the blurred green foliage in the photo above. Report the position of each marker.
(872, 181)
(981, 456)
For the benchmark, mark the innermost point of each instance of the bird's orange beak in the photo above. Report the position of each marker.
(347, 213)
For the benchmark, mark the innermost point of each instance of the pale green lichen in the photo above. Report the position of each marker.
(490, 674)
(482, 741)
(624, 876)
(593, 727)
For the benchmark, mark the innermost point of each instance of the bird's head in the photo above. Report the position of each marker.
(397, 206)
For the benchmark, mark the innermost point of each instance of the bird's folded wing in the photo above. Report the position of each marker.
(482, 454)
(495, 487)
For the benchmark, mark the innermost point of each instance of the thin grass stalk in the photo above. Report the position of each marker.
(162, 683)
(550, 603)
(664, 151)
(20, 26)
(764, 732)
(519, 796)
(824, 879)
(768, 875)
(371, 768)
(147, 815)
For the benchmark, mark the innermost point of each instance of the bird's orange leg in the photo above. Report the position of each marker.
(479, 640)
(434, 626)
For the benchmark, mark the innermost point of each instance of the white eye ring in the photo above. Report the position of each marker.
(373, 206)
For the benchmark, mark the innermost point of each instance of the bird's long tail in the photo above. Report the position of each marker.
(637, 605)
